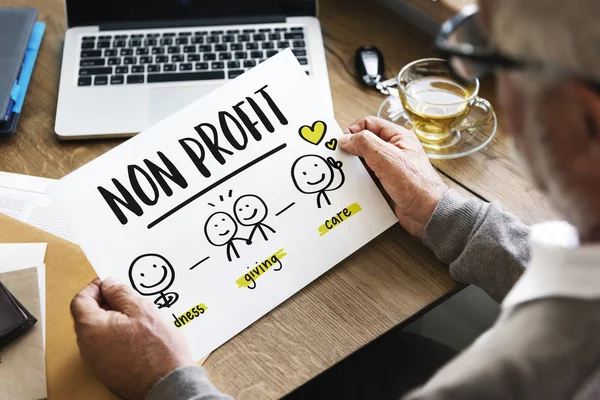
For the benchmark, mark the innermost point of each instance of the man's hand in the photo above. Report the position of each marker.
(124, 340)
(398, 160)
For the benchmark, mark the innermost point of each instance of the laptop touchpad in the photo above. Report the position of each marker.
(165, 101)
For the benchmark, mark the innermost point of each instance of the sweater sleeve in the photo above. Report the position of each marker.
(482, 244)
(186, 383)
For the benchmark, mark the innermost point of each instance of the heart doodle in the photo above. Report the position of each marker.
(332, 144)
(313, 134)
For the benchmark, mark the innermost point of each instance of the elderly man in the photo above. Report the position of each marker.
(545, 344)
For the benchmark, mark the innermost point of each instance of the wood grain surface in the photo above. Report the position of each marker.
(373, 290)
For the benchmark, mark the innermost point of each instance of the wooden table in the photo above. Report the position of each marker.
(375, 289)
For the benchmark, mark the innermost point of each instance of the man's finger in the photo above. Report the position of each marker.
(380, 127)
(370, 123)
(121, 297)
(390, 132)
(364, 144)
(88, 301)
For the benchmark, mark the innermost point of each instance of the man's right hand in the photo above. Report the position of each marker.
(398, 160)
(124, 339)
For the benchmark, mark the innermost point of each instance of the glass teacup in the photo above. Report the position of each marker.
(435, 102)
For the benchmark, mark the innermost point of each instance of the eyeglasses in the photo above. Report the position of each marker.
(468, 49)
(471, 54)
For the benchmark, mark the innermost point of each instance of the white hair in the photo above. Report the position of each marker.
(564, 35)
(560, 33)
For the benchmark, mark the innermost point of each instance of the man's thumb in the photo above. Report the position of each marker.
(364, 144)
(120, 297)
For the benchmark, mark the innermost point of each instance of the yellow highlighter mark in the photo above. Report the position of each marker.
(339, 218)
(189, 315)
(274, 262)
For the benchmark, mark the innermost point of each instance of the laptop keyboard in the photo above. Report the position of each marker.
(192, 55)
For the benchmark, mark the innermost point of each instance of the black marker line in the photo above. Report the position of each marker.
(211, 204)
(214, 185)
(285, 209)
(230, 192)
(198, 263)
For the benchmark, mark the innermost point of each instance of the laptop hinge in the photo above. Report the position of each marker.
(112, 26)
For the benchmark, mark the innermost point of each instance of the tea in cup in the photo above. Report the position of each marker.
(436, 103)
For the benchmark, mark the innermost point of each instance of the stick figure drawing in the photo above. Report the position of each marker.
(152, 274)
(220, 230)
(251, 210)
(314, 174)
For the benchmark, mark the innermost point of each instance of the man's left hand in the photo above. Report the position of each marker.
(398, 160)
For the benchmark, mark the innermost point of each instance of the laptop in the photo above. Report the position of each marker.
(128, 64)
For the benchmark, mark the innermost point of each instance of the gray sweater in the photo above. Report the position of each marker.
(544, 349)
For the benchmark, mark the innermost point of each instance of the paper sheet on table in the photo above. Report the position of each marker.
(22, 363)
(24, 197)
(227, 208)
(17, 256)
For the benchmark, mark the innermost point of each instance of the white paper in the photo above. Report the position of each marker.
(176, 251)
(23, 197)
(21, 255)
(16, 256)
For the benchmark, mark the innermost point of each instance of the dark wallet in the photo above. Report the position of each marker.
(15, 320)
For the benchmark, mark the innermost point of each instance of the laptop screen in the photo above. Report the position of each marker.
(99, 12)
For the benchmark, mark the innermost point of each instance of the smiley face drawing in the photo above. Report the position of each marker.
(220, 230)
(152, 274)
(314, 174)
(251, 210)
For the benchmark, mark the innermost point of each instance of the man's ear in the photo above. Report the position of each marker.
(578, 155)
(571, 115)
(589, 101)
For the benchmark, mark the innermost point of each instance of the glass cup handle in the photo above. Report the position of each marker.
(484, 105)
(481, 113)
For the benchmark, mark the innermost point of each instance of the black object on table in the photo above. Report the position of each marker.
(15, 320)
